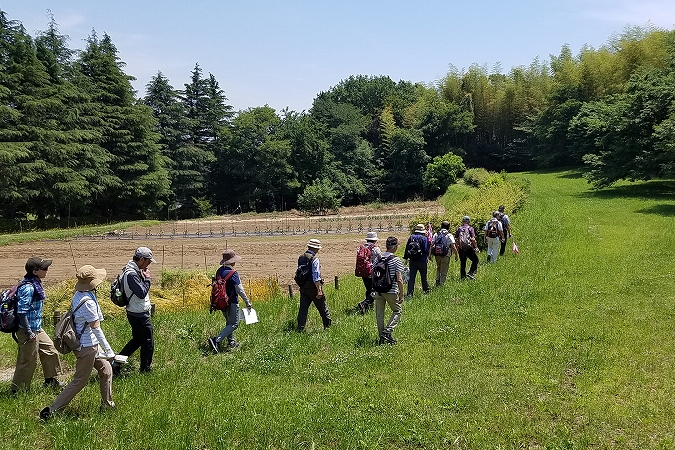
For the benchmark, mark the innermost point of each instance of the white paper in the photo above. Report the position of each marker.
(247, 316)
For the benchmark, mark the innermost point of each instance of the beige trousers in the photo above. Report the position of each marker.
(26, 361)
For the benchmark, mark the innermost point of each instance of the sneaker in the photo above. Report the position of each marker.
(214, 345)
(471, 276)
(232, 344)
(54, 383)
(362, 308)
(107, 407)
(46, 413)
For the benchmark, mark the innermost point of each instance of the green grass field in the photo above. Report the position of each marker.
(568, 345)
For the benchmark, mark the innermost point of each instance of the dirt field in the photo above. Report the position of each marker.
(263, 256)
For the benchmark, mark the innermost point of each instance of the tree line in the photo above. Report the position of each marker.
(76, 140)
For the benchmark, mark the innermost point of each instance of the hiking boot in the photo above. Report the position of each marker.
(46, 413)
(232, 344)
(214, 345)
(385, 338)
(54, 383)
(471, 276)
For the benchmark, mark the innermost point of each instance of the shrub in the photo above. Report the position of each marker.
(319, 198)
(441, 173)
(476, 177)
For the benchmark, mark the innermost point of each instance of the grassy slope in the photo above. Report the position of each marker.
(568, 345)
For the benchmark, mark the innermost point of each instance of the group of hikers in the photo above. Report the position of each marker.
(384, 275)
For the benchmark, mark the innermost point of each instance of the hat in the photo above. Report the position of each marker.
(371, 236)
(501, 208)
(496, 214)
(229, 257)
(36, 263)
(466, 219)
(88, 277)
(419, 228)
(314, 243)
(144, 252)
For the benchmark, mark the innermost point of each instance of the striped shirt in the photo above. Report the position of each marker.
(395, 266)
(89, 312)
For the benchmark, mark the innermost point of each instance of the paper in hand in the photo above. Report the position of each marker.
(247, 316)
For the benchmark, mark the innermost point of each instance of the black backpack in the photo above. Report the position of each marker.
(414, 249)
(382, 279)
(9, 319)
(118, 294)
(441, 247)
(303, 274)
(492, 229)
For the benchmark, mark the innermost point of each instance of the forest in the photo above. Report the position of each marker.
(77, 142)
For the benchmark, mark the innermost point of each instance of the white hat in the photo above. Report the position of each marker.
(420, 228)
(371, 236)
(314, 243)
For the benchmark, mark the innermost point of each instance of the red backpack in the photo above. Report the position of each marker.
(219, 299)
(364, 264)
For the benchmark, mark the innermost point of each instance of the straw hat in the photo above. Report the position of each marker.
(314, 243)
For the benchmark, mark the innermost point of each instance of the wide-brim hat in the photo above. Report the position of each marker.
(229, 257)
(419, 228)
(466, 219)
(89, 277)
(371, 236)
(314, 243)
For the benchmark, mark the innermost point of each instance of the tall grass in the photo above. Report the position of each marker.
(568, 345)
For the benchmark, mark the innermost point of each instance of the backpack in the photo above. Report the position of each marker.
(414, 249)
(464, 238)
(65, 337)
(492, 229)
(382, 279)
(303, 273)
(9, 319)
(441, 247)
(118, 294)
(219, 298)
(364, 263)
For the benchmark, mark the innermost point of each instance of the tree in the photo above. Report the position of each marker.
(441, 173)
(319, 198)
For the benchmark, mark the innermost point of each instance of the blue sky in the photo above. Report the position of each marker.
(284, 53)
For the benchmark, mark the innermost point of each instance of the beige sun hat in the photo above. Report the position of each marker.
(419, 228)
(229, 257)
(89, 277)
(371, 236)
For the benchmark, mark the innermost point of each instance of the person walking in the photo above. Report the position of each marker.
(442, 247)
(95, 351)
(465, 237)
(33, 342)
(506, 227)
(366, 256)
(394, 297)
(136, 284)
(493, 237)
(234, 289)
(417, 252)
(311, 290)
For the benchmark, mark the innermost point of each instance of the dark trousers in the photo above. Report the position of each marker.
(502, 248)
(141, 336)
(420, 266)
(307, 297)
(463, 255)
(368, 283)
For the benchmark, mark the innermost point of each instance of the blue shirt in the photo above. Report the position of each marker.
(30, 306)
(316, 267)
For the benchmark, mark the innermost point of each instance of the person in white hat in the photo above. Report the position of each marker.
(95, 351)
(136, 284)
(366, 255)
(311, 288)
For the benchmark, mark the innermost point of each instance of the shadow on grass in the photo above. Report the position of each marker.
(661, 210)
(654, 189)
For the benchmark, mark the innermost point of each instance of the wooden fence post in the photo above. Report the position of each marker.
(290, 290)
(336, 282)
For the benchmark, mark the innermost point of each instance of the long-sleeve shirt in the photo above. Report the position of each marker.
(137, 289)
(29, 303)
